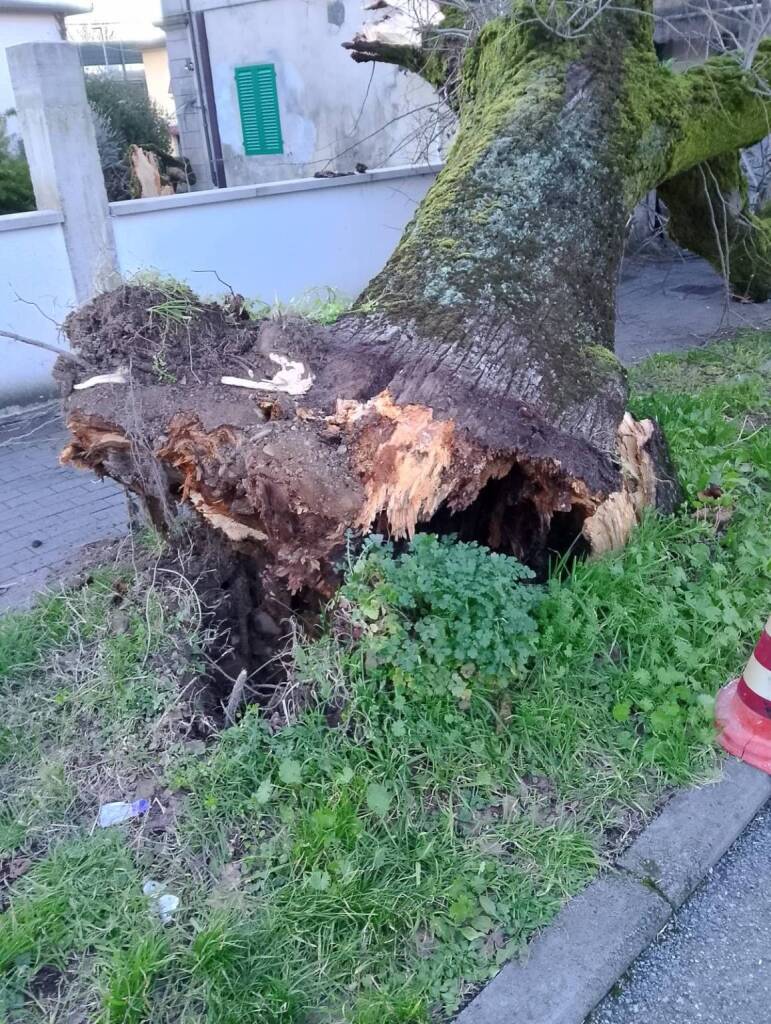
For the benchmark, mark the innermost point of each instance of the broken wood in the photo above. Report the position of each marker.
(146, 174)
(287, 477)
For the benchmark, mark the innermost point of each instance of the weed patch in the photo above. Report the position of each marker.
(321, 305)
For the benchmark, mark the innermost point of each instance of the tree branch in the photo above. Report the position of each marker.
(63, 352)
(709, 213)
(364, 49)
(682, 134)
(423, 36)
(676, 121)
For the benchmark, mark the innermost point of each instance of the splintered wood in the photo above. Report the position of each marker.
(404, 456)
(293, 487)
(609, 527)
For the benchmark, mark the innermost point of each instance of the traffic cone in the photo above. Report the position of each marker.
(743, 709)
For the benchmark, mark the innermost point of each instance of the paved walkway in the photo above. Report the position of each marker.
(712, 963)
(47, 511)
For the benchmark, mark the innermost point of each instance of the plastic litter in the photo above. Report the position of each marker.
(115, 813)
(163, 904)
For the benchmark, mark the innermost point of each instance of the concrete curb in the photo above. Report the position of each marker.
(574, 962)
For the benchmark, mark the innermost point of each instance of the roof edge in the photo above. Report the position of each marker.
(64, 7)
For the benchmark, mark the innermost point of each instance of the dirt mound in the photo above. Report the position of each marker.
(169, 336)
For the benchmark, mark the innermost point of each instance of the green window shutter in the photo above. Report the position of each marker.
(258, 104)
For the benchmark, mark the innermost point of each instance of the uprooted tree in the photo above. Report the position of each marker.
(473, 388)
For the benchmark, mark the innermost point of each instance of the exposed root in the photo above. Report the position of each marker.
(292, 489)
(380, 432)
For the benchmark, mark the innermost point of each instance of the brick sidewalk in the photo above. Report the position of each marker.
(47, 511)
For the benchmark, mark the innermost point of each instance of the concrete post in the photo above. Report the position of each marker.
(184, 87)
(60, 145)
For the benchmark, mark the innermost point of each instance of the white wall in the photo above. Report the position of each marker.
(35, 289)
(273, 241)
(18, 27)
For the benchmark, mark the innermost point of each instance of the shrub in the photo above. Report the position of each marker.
(16, 195)
(132, 115)
(124, 116)
(112, 157)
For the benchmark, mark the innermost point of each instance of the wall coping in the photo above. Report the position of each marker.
(127, 207)
(33, 219)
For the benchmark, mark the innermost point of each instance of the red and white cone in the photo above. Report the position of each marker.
(743, 709)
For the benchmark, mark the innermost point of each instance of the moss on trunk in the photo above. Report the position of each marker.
(672, 121)
(709, 214)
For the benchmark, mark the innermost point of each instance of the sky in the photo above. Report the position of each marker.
(127, 19)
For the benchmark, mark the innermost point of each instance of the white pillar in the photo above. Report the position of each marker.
(60, 145)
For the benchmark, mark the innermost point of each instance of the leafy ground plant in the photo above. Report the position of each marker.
(470, 750)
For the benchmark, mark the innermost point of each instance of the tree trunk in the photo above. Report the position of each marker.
(473, 388)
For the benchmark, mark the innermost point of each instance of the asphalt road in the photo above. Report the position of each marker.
(712, 963)
(674, 303)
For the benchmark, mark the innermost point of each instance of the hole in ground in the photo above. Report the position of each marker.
(514, 515)
(252, 629)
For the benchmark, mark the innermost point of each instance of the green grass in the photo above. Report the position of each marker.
(497, 742)
(321, 305)
(730, 362)
(87, 683)
(180, 305)
(25, 637)
(82, 898)
(131, 975)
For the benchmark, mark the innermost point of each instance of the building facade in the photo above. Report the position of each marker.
(264, 91)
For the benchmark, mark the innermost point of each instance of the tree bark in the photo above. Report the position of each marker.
(474, 387)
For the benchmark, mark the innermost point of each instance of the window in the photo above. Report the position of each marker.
(258, 104)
